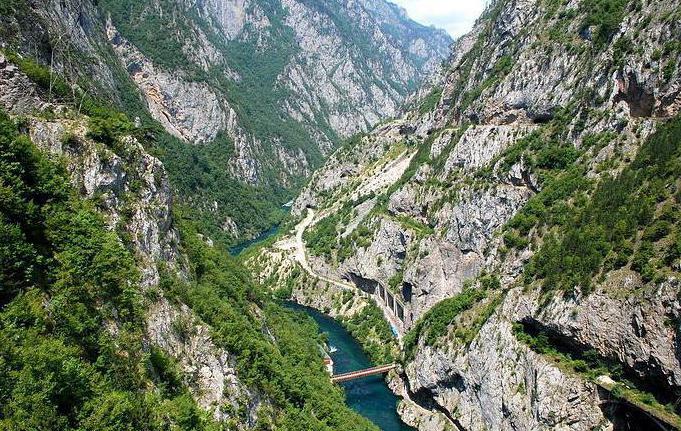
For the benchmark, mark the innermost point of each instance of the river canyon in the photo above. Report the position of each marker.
(190, 190)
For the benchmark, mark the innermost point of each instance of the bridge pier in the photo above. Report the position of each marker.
(400, 312)
(392, 307)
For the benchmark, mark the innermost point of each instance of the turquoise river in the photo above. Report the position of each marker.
(370, 396)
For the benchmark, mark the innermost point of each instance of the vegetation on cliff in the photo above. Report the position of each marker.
(277, 350)
(72, 319)
(590, 365)
(71, 312)
(627, 220)
(259, 62)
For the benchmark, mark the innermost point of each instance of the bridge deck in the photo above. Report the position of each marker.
(339, 378)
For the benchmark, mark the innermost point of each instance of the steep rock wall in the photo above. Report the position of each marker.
(531, 73)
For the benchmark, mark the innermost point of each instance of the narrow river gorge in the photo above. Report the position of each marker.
(369, 396)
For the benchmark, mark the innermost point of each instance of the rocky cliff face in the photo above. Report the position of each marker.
(131, 189)
(538, 92)
(334, 76)
(339, 67)
(263, 89)
(286, 81)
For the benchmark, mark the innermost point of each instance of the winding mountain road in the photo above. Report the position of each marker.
(296, 246)
(376, 181)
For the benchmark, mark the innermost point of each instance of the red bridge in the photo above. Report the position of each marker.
(339, 378)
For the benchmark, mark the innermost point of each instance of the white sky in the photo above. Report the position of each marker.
(455, 16)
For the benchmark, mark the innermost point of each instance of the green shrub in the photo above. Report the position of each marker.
(598, 141)
(605, 15)
(658, 230)
(669, 68)
(41, 75)
(490, 282)
(515, 241)
(556, 157)
(395, 282)
(284, 292)
(622, 253)
(107, 129)
(430, 101)
(435, 322)
(673, 253)
(617, 391)
(421, 229)
(514, 154)
(647, 398)
(321, 239)
(167, 372)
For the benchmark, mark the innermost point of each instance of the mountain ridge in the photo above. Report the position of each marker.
(266, 88)
(524, 224)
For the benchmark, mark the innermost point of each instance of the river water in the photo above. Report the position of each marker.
(237, 249)
(370, 396)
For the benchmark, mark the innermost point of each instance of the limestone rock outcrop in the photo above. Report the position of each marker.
(525, 77)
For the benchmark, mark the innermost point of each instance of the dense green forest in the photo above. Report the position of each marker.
(199, 178)
(290, 370)
(72, 320)
(71, 313)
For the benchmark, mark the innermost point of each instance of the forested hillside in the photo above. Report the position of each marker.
(111, 299)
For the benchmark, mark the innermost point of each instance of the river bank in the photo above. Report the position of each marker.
(283, 268)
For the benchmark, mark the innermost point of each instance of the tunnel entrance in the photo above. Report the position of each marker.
(365, 284)
(407, 289)
(640, 100)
